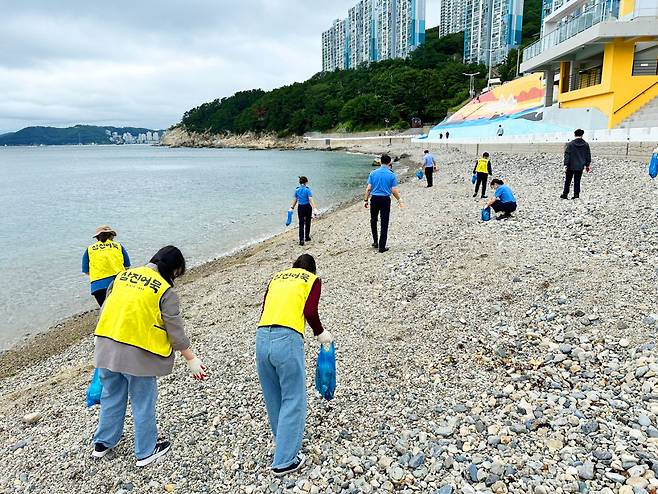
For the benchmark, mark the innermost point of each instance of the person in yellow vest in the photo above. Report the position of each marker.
(483, 170)
(139, 329)
(291, 301)
(103, 260)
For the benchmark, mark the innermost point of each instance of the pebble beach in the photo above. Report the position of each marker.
(514, 356)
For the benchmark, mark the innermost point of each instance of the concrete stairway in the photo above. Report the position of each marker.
(647, 116)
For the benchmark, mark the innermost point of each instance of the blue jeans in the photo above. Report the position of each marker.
(143, 393)
(280, 364)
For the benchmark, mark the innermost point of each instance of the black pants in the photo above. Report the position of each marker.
(576, 176)
(380, 206)
(482, 179)
(100, 296)
(305, 214)
(429, 171)
(504, 207)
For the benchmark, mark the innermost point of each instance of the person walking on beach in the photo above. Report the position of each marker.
(500, 131)
(139, 329)
(381, 184)
(430, 166)
(103, 260)
(307, 209)
(503, 201)
(577, 157)
(483, 170)
(291, 300)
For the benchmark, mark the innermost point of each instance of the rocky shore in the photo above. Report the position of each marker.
(512, 356)
(179, 137)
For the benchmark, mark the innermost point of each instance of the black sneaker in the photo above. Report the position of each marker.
(375, 245)
(575, 197)
(484, 197)
(475, 195)
(301, 243)
(297, 465)
(161, 449)
(385, 249)
(564, 197)
(100, 450)
(308, 239)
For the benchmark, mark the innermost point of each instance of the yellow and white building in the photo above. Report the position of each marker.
(606, 55)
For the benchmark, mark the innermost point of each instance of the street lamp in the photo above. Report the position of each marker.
(471, 83)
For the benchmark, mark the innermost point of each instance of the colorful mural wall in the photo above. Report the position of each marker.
(520, 95)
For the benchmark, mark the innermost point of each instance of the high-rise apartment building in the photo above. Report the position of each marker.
(491, 29)
(374, 30)
(451, 16)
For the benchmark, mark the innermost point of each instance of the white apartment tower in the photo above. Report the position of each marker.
(374, 30)
(491, 29)
(451, 16)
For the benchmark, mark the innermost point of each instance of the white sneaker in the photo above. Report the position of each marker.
(161, 449)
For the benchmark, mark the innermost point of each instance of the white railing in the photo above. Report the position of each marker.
(589, 17)
(646, 134)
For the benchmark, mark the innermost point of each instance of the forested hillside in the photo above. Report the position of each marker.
(425, 85)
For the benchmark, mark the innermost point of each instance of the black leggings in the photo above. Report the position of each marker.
(482, 179)
(100, 296)
(305, 214)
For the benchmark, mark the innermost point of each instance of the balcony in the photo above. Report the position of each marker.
(589, 17)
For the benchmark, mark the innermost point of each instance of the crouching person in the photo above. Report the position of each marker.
(139, 329)
(291, 300)
(503, 201)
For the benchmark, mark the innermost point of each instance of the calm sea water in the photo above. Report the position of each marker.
(206, 201)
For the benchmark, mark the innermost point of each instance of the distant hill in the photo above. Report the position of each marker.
(79, 134)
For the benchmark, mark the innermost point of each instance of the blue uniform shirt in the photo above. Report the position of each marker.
(382, 181)
(302, 193)
(428, 159)
(105, 282)
(504, 194)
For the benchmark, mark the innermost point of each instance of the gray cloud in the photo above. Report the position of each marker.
(145, 63)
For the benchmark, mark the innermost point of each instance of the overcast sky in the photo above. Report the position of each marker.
(144, 63)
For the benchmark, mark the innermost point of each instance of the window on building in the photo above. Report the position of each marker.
(645, 59)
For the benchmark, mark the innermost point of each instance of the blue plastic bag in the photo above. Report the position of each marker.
(485, 214)
(419, 175)
(95, 389)
(653, 166)
(289, 218)
(325, 372)
(474, 178)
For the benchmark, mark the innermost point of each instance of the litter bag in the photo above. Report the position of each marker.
(485, 214)
(325, 372)
(419, 175)
(474, 179)
(653, 166)
(95, 389)
(289, 218)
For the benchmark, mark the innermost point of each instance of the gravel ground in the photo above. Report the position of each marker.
(510, 356)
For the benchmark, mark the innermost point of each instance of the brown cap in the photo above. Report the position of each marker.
(104, 229)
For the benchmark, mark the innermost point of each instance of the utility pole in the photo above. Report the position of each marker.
(471, 84)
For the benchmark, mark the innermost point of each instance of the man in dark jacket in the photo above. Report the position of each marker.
(577, 157)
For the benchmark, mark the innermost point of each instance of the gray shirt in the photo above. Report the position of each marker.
(117, 357)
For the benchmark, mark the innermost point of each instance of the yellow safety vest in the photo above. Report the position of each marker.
(482, 166)
(131, 314)
(105, 260)
(286, 298)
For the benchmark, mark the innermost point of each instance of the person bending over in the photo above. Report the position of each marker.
(291, 300)
(503, 201)
(139, 329)
(103, 260)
